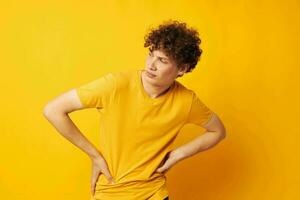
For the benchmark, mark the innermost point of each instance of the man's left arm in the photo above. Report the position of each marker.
(215, 133)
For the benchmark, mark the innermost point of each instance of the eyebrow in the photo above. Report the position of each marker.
(161, 57)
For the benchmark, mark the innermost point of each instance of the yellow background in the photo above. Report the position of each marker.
(248, 74)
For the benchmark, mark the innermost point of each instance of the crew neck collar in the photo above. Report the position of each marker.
(145, 94)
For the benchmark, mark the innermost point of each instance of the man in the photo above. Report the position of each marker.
(141, 112)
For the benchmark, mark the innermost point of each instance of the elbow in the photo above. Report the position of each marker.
(222, 134)
(52, 110)
(47, 110)
(222, 131)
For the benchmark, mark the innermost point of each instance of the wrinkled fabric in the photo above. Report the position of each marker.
(137, 131)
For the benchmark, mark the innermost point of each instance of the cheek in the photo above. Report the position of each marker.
(167, 72)
(147, 60)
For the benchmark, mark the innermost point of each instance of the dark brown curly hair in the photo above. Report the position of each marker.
(177, 41)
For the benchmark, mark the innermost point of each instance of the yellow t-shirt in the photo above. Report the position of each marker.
(137, 131)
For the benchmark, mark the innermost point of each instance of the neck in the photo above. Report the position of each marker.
(152, 90)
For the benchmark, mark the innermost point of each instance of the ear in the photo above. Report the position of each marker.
(183, 70)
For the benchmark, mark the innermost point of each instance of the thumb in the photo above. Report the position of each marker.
(108, 175)
(161, 169)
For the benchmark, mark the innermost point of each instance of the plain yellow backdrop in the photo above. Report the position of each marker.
(248, 74)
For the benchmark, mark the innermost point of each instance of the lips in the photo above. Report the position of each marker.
(149, 74)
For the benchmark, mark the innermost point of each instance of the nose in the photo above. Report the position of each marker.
(152, 65)
(152, 68)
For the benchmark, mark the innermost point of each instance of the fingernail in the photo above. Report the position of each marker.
(112, 181)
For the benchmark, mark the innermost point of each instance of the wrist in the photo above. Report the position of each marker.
(95, 156)
(178, 154)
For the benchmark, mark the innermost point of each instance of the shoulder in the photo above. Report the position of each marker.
(124, 77)
(183, 90)
(124, 74)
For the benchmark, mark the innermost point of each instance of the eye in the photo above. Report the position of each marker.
(163, 61)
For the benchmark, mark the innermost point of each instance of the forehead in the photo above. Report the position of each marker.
(161, 53)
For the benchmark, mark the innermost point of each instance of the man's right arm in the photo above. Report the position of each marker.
(56, 112)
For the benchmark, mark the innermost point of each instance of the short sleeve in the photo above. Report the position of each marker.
(199, 113)
(97, 93)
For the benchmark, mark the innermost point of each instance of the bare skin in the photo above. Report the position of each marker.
(165, 71)
(56, 112)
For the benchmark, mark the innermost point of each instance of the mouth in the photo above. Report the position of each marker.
(150, 75)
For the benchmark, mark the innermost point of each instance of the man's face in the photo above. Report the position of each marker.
(163, 67)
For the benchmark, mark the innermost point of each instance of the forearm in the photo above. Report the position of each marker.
(200, 143)
(65, 126)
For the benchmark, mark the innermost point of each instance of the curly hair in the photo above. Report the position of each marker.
(177, 41)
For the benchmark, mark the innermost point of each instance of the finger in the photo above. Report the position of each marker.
(108, 175)
(94, 179)
(160, 170)
(92, 189)
(163, 171)
(93, 186)
(165, 167)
